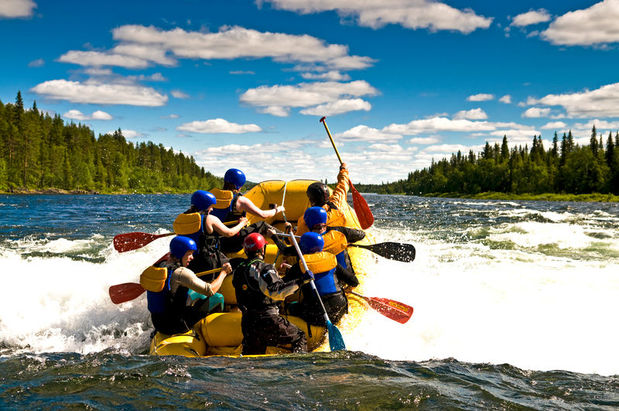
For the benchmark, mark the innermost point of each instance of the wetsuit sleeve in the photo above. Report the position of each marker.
(187, 278)
(346, 276)
(271, 284)
(352, 234)
(341, 190)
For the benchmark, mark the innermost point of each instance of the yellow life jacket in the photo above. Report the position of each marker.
(335, 218)
(320, 262)
(186, 224)
(154, 278)
(335, 242)
(224, 198)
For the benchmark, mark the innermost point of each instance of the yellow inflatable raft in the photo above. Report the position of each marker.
(220, 333)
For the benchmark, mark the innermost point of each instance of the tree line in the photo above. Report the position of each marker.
(39, 152)
(565, 167)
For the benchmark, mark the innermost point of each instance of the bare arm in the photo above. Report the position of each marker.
(214, 224)
(245, 204)
(341, 190)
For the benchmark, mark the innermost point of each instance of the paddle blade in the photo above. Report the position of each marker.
(135, 240)
(336, 341)
(364, 214)
(122, 293)
(394, 251)
(395, 310)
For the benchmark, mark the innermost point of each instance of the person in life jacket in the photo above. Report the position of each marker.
(327, 276)
(232, 205)
(168, 289)
(206, 229)
(318, 195)
(258, 289)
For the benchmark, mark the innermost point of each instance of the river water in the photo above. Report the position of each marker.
(516, 305)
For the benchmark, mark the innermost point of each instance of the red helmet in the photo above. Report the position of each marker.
(254, 242)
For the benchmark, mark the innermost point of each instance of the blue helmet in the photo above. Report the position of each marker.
(236, 177)
(180, 245)
(202, 200)
(311, 243)
(314, 216)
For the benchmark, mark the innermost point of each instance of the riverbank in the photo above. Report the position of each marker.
(593, 197)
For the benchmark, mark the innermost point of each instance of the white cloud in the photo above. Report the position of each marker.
(600, 125)
(553, 125)
(447, 149)
(368, 134)
(424, 140)
(78, 115)
(98, 93)
(218, 126)
(480, 97)
(128, 133)
(36, 63)
(179, 94)
(437, 124)
(601, 102)
(338, 107)
(332, 75)
(412, 14)
(98, 59)
(531, 17)
(594, 25)
(16, 8)
(473, 114)
(277, 100)
(507, 99)
(150, 44)
(536, 112)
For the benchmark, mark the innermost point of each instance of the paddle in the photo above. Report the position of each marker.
(121, 293)
(336, 341)
(364, 214)
(392, 309)
(393, 251)
(135, 240)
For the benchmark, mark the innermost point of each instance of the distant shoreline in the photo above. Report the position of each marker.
(594, 197)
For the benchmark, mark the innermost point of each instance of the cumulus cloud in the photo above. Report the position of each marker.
(128, 133)
(332, 75)
(424, 140)
(554, 125)
(277, 100)
(594, 25)
(368, 134)
(218, 126)
(506, 99)
(98, 93)
(437, 124)
(338, 107)
(36, 63)
(536, 112)
(601, 102)
(531, 17)
(78, 115)
(473, 114)
(412, 14)
(480, 97)
(16, 8)
(179, 94)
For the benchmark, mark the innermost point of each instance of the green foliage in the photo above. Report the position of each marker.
(566, 168)
(39, 153)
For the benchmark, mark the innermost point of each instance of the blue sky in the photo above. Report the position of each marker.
(244, 83)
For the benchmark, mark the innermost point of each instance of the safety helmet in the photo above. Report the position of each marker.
(180, 245)
(254, 242)
(318, 193)
(311, 243)
(202, 200)
(314, 216)
(235, 176)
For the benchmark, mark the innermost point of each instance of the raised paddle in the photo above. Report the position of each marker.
(135, 240)
(392, 309)
(336, 341)
(364, 214)
(393, 251)
(121, 293)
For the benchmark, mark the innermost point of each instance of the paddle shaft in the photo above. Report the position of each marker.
(391, 250)
(324, 123)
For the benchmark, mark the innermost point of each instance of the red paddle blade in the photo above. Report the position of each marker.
(122, 293)
(133, 241)
(395, 310)
(364, 214)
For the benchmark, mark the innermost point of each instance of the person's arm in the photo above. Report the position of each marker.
(271, 284)
(215, 224)
(245, 204)
(341, 190)
(352, 234)
(346, 276)
(187, 278)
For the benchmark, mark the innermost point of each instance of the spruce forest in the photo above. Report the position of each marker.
(565, 167)
(42, 153)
